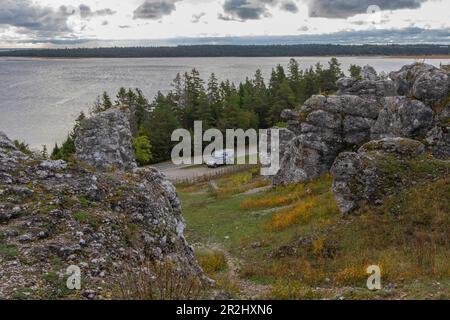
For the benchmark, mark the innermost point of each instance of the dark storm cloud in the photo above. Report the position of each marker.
(242, 10)
(33, 18)
(374, 36)
(289, 6)
(196, 17)
(86, 12)
(349, 8)
(155, 9)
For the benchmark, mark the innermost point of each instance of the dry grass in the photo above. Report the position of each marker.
(301, 213)
(286, 195)
(211, 261)
(158, 281)
(408, 237)
(218, 173)
(307, 210)
(270, 202)
(292, 290)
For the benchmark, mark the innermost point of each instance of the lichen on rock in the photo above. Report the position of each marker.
(423, 82)
(55, 214)
(331, 125)
(380, 168)
(409, 105)
(104, 140)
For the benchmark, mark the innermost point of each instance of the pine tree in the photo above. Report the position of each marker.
(106, 101)
(140, 109)
(56, 153)
(281, 95)
(44, 152)
(204, 112)
(295, 77)
(158, 126)
(282, 99)
(214, 98)
(355, 71)
(194, 92)
(260, 98)
(122, 97)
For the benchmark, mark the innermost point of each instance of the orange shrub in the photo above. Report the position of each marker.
(269, 202)
(352, 275)
(288, 217)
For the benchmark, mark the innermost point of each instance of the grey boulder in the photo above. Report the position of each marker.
(104, 141)
(422, 81)
(380, 168)
(402, 117)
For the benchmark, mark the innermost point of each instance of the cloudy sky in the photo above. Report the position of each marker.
(28, 23)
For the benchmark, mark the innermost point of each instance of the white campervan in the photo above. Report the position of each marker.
(221, 158)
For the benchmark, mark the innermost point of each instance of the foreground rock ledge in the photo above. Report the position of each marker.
(54, 214)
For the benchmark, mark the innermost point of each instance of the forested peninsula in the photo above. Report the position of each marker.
(235, 51)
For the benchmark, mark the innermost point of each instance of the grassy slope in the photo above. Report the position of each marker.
(293, 241)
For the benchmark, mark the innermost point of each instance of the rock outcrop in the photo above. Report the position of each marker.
(54, 214)
(329, 126)
(292, 118)
(438, 138)
(403, 117)
(423, 82)
(380, 168)
(284, 135)
(369, 85)
(409, 105)
(104, 141)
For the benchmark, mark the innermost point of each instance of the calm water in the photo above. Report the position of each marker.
(40, 98)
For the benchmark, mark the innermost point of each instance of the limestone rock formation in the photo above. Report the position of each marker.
(438, 138)
(285, 137)
(104, 141)
(54, 214)
(369, 85)
(369, 73)
(304, 159)
(292, 118)
(330, 125)
(380, 168)
(423, 82)
(370, 108)
(403, 117)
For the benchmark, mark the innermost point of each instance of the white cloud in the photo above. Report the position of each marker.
(157, 19)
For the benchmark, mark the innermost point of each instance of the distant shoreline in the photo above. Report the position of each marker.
(433, 56)
(241, 51)
(412, 57)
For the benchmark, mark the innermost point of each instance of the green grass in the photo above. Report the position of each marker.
(87, 217)
(222, 220)
(23, 294)
(211, 261)
(9, 252)
(315, 248)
